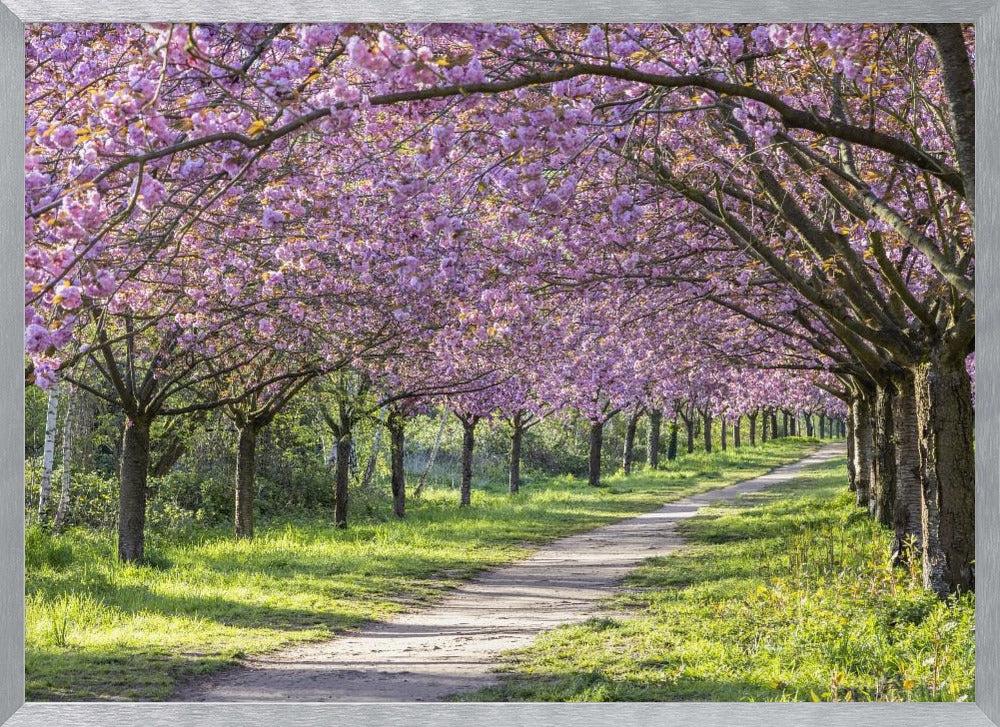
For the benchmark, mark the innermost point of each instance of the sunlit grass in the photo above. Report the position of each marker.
(100, 630)
(785, 595)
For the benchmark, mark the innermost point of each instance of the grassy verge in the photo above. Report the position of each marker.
(785, 595)
(99, 630)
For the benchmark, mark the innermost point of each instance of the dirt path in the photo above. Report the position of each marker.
(451, 647)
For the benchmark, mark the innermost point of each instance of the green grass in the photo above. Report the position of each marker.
(785, 595)
(99, 630)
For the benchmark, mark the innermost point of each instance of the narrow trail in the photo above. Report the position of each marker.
(452, 646)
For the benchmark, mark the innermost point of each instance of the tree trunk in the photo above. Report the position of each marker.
(736, 431)
(397, 433)
(246, 471)
(672, 445)
(627, 451)
(722, 442)
(794, 423)
(596, 440)
(822, 425)
(863, 454)
(852, 474)
(753, 429)
(468, 444)
(62, 510)
(342, 477)
(809, 425)
(907, 508)
(945, 426)
(774, 424)
(707, 419)
(653, 439)
(884, 456)
(957, 77)
(48, 452)
(514, 479)
(132, 489)
(689, 425)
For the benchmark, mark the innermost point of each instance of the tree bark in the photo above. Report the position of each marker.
(396, 425)
(784, 423)
(722, 438)
(945, 427)
(48, 452)
(852, 474)
(468, 444)
(707, 419)
(246, 471)
(753, 428)
(956, 72)
(774, 424)
(629, 447)
(132, 489)
(672, 444)
(594, 464)
(736, 431)
(863, 454)
(822, 425)
(342, 476)
(884, 456)
(653, 439)
(62, 510)
(907, 507)
(809, 425)
(514, 479)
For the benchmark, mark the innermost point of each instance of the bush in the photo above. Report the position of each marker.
(93, 499)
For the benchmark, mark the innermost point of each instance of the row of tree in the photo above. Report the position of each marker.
(516, 218)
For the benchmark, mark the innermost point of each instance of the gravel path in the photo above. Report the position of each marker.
(452, 646)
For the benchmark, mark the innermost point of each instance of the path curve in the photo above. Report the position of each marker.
(451, 647)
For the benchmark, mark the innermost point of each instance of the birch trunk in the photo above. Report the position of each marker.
(62, 510)
(48, 452)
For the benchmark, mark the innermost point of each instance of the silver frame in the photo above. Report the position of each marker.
(14, 712)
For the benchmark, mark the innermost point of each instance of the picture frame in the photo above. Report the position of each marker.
(14, 712)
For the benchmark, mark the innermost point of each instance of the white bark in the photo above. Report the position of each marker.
(48, 450)
(67, 462)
